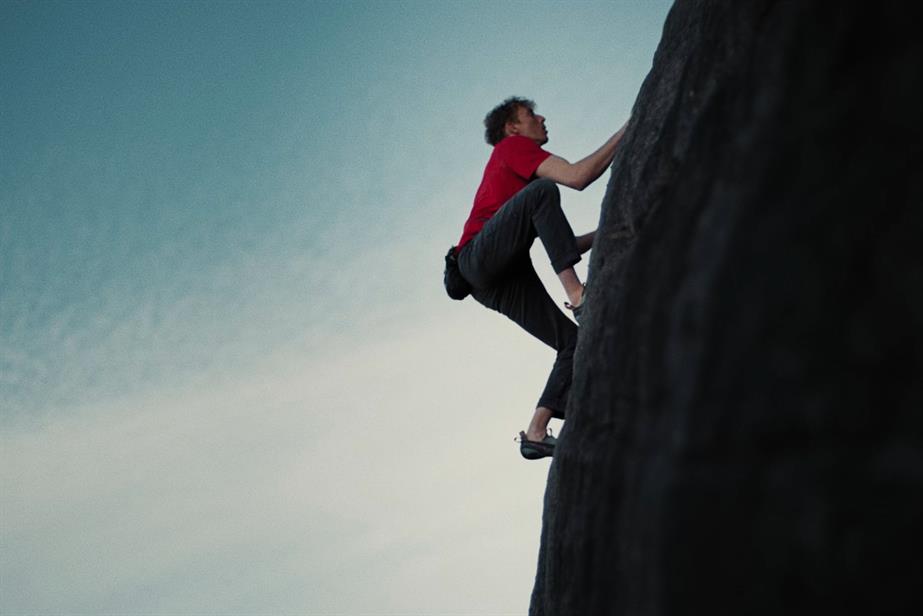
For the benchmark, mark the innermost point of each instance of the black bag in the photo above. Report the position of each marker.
(455, 284)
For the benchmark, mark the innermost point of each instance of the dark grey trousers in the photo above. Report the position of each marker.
(497, 264)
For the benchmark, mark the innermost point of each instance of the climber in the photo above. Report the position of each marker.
(517, 201)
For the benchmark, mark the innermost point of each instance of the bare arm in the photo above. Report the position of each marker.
(585, 241)
(581, 174)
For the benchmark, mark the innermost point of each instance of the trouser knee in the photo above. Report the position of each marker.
(548, 190)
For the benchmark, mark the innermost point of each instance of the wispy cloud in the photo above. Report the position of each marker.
(229, 378)
(287, 477)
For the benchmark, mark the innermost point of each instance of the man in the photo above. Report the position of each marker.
(517, 201)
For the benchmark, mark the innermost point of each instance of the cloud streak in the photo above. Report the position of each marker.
(230, 381)
(265, 485)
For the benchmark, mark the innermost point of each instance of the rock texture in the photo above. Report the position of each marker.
(746, 427)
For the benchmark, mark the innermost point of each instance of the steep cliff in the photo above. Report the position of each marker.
(746, 426)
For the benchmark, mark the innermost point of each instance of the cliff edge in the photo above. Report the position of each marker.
(745, 432)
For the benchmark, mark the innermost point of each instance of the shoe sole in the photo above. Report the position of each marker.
(536, 451)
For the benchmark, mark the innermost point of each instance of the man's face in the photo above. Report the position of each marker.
(528, 124)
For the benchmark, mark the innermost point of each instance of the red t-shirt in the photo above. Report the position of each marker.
(511, 167)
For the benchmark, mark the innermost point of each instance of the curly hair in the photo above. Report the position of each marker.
(496, 120)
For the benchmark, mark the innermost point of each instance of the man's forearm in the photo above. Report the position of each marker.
(581, 174)
(596, 163)
(585, 241)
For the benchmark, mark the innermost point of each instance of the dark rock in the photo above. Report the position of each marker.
(745, 433)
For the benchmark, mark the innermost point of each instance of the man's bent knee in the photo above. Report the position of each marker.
(545, 185)
(543, 193)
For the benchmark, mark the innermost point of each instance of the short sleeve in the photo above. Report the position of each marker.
(523, 156)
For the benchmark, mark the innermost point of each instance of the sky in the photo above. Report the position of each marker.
(230, 379)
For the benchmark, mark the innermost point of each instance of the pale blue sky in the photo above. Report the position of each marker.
(230, 381)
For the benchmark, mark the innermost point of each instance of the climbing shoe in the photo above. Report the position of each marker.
(577, 310)
(533, 450)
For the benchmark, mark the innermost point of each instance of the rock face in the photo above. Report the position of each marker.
(745, 433)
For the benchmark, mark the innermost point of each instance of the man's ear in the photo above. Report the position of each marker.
(511, 128)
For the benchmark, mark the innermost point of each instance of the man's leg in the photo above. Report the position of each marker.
(521, 296)
(496, 262)
(538, 427)
(569, 280)
(535, 211)
(572, 286)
